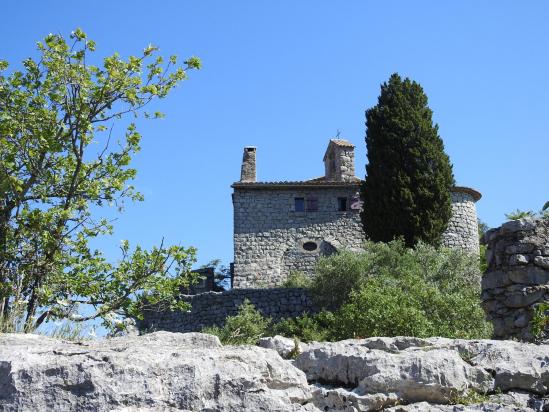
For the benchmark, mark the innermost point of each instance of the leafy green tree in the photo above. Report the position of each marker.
(58, 163)
(408, 176)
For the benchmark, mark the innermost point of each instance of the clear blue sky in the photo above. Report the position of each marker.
(286, 75)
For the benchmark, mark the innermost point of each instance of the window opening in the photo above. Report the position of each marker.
(341, 204)
(310, 246)
(312, 204)
(299, 204)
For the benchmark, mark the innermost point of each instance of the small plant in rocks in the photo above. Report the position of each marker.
(244, 328)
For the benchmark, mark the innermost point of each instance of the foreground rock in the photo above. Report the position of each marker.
(166, 371)
(160, 371)
(376, 373)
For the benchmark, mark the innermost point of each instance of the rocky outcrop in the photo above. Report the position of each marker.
(166, 371)
(157, 372)
(377, 373)
(517, 279)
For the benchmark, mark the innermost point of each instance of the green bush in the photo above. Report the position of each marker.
(390, 290)
(306, 328)
(389, 306)
(337, 275)
(540, 320)
(519, 214)
(297, 279)
(244, 328)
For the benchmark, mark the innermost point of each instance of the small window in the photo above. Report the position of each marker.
(310, 246)
(312, 204)
(341, 204)
(299, 204)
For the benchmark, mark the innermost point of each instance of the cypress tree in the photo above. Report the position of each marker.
(406, 192)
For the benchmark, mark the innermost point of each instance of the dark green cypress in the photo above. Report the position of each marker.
(406, 192)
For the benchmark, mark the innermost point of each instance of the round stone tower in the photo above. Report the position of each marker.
(462, 231)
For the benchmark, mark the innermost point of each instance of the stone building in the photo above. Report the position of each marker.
(284, 226)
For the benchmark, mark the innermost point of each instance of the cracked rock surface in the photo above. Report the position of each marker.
(165, 371)
(161, 371)
(412, 374)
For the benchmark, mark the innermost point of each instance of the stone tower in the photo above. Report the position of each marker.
(339, 161)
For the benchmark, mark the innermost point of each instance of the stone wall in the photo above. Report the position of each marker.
(517, 277)
(211, 308)
(269, 234)
(462, 231)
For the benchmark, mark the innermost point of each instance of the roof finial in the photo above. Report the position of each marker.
(337, 134)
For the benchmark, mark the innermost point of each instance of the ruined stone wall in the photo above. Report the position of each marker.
(211, 308)
(269, 234)
(517, 278)
(462, 230)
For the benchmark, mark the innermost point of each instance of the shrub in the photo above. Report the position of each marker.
(540, 320)
(391, 306)
(337, 275)
(390, 290)
(519, 214)
(244, 328)
(297, 279)
(306, 328)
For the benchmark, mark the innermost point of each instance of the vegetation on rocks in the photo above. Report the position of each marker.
(244, 328)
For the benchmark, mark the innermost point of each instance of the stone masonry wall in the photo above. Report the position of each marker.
(517, 278)
(269, 235)
(462, 231)
(211, 308)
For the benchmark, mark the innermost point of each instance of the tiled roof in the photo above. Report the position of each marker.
(476, 195)
(320, 182)
(342, 142)
(323, 179)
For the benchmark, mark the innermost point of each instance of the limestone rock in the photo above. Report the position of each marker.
(524, 224)
(515, 365)
(415, 374)
(343, 400)
(481, 407)
(160, 371)
(172, 372)
(283, 346)
(390, 371)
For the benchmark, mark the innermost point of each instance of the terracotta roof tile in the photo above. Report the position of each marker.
(342, 142)
(320, 182)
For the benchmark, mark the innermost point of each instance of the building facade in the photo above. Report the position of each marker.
(284, 226)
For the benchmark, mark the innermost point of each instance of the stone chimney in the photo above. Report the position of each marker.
(248, 173)
(339, 161)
